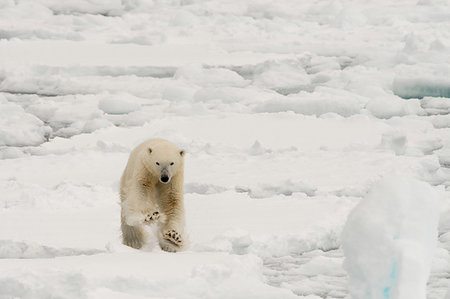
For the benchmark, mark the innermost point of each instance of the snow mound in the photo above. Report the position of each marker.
(19, 128)
(389, 240)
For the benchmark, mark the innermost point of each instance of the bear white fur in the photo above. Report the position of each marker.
(151, 191)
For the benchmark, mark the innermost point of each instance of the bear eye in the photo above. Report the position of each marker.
(172, 163)
(157, 163)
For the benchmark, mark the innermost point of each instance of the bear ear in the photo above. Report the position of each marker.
(182, 153)
(149, 150)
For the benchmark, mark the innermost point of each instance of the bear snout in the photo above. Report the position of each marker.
(164, 179)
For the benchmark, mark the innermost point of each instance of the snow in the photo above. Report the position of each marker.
(290, 113)
(390, 238)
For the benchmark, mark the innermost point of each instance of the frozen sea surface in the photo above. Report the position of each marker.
(290, 113)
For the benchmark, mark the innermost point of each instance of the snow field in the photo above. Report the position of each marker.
(212, 200)
(290, 114)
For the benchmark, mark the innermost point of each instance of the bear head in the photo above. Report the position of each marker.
(164, 161)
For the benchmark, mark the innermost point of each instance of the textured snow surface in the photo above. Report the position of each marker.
(290, 112)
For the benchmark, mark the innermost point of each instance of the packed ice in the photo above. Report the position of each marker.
(317, 138)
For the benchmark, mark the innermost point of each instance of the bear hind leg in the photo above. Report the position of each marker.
(133, 236)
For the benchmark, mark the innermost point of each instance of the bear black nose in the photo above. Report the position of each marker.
(164, 179)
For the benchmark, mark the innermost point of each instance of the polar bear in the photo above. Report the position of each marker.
(151, 191)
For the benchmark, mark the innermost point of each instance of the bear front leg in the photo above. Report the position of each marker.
(145, 214)
(137, 209)
(171, 233)
(133, 236)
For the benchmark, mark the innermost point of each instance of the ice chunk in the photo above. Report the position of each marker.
(199, 188)
(68, 115)
(437, 45)
(323, 100)
(441, 121)
(258, 149)
(231, 95)
(119, 104)
(239, 240)
(408, 88)
(435, 105)
(104, 7)
(444, 158)
(178, 92)
(320, 64)
(433, 2)
(95, 124)
(284, 78)
(286, 188)
(184, 18)
(10, 153)
(389, 240)
(390, 106)
(210, 76)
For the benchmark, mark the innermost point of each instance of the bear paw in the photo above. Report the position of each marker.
(151, 217)
(174, 237)
(172, 241)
